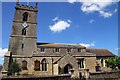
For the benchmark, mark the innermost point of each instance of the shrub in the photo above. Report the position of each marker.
(113, 62)
(14, 68)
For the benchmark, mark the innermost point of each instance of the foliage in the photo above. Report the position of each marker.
(14, 68)
(61, 70)
(118, 62)
(113, 62)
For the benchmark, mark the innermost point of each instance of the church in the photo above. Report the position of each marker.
(43, 59)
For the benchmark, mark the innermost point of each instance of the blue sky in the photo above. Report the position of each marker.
(94, 25)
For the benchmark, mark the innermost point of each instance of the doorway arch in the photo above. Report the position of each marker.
(68, 68)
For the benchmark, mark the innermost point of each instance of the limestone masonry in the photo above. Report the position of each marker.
(48, 58)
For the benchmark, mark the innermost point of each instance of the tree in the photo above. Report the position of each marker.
(118, 62)
(113, 62)
(14, 67)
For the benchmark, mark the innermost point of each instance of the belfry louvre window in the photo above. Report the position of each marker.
(44, 65)
(42, 49)
(57, 50)
(24, 65)
(25, 16)
(37, 65)
(81, 63)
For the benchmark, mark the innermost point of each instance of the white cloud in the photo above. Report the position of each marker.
(2, 59)
(105, 14)
(117, 49)
(69, 21)
(91, 21)
(88, 45)
(3, 51)
(90, 6)
(97, 6)
(72, 1)
(60, 26)
(55, 19)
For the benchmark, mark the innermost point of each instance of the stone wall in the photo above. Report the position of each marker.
(105, 75)
(93, 76)
(90, 63)
(30, 77)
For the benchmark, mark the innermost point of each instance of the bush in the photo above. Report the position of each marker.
(14, 68)
(61, 70)
(113, 62)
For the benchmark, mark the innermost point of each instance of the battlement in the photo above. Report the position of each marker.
(26, 7)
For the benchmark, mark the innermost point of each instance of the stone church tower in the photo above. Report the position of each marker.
(23, 36)
(23, 31)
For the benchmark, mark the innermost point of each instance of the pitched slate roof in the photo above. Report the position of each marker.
(60, 45)
(89, 52)
(82, 54)
(100, 52)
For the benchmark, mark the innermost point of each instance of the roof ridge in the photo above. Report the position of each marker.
(98, 48)
(58, 43)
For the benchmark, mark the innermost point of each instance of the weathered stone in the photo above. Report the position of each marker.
(24, 47)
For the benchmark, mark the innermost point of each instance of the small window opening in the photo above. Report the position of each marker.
(25, 16)
(22, 46)
(24, 31)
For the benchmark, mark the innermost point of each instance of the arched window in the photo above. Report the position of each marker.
(44, 65)
(102, 63)
(24, 31)
(25, 16)
(24, 65)
(37, 65)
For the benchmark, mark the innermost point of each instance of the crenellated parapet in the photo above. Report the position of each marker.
(26, 7)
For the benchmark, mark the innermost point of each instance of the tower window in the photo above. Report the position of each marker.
(25, 16)
(22, 46)
(24, 31)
